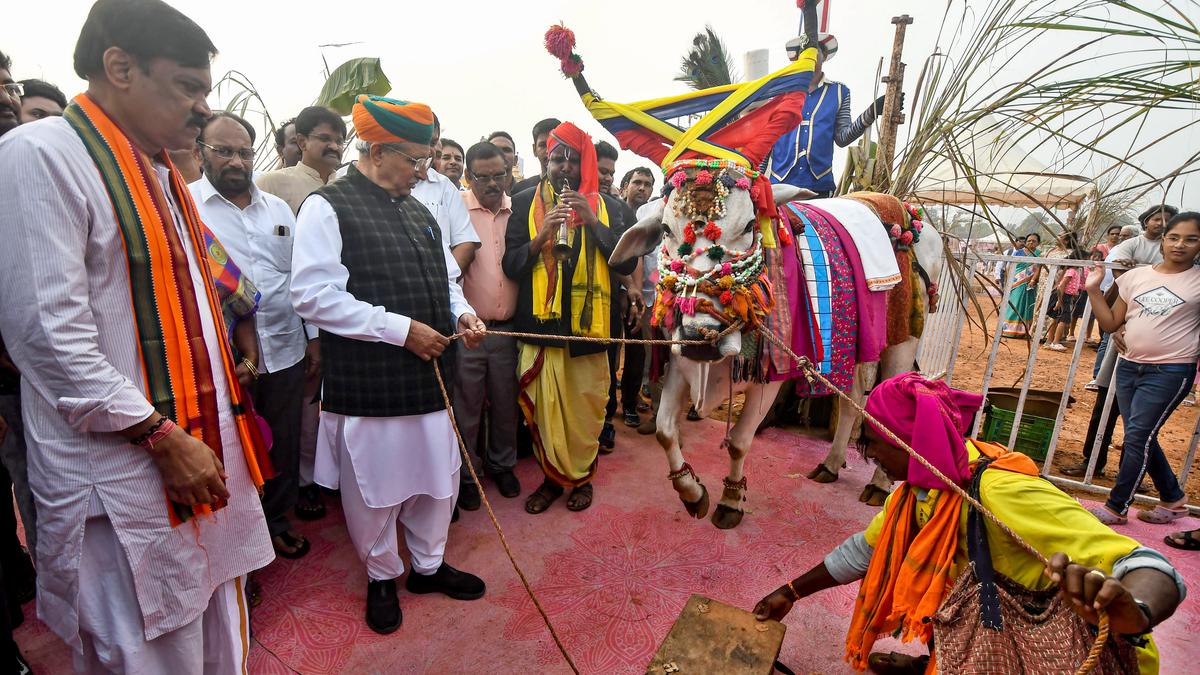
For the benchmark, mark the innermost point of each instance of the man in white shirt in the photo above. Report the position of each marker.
(370, 270)
(444, 201)
(141, 456)
(256, 229)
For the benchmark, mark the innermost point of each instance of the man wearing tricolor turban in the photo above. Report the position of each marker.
(370, 271)
(559, 238)
(912, 558)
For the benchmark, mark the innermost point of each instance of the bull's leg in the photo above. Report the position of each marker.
(758, 402)
(847, 425)
(894, 360)
(691, 491)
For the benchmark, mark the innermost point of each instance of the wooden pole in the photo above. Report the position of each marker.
(893, 115)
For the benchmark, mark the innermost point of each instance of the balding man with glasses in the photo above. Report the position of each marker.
(256, 229)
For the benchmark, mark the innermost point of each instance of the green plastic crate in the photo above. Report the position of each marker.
(1033, 438)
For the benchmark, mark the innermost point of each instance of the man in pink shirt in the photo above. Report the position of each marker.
(486, 379)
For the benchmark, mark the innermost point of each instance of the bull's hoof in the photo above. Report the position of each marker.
(727, 518)
(873, 496)
(699, 508)
(822, 475)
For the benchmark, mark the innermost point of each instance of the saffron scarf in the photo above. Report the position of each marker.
(591, 290)
(177, 371)
(909, 574)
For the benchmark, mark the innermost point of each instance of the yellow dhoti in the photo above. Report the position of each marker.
(563, 399)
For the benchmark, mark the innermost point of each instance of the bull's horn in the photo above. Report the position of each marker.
(642, 237)
(785, 193)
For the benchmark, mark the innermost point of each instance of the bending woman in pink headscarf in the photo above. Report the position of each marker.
(911, 559)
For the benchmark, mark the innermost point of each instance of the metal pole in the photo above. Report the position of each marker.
(1097, 444)
(1066, 395)
(1029, 364)
(1191, 453)
(1006, 294)
(962, 317)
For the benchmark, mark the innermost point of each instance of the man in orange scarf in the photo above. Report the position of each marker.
(911, 553)
(142, 457)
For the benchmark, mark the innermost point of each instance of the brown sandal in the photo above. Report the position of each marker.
(580, 499)
(543, 497)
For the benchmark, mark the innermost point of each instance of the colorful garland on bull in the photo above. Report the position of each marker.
(916, 219)
(740, 283)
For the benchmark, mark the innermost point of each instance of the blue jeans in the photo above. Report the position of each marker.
(1147, 394)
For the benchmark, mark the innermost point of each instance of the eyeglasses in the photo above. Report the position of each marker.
(1177, 239)
(328, 140)
(228, 153)
(420, 164)
(495, 178)
(14, 89)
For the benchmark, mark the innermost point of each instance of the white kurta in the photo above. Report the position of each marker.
(66, 318)
(393, 458)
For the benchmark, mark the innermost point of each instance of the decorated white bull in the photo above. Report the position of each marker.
(714, 271)
(733, 262)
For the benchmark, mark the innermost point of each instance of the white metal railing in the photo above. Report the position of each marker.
(943, 336)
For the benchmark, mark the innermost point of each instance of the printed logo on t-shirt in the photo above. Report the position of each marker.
(1158, 302)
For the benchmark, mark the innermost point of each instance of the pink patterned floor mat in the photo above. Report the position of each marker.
(612, 578)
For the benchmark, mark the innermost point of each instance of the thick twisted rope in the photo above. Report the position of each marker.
(466, 459)
(806, 365)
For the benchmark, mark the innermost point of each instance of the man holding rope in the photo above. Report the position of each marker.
(370, 269)
(912, 558)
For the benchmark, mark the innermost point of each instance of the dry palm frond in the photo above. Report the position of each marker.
(707, 63)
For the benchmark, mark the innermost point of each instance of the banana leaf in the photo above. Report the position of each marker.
(347, 81)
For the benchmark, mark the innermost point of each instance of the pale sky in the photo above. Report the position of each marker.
(482, 66)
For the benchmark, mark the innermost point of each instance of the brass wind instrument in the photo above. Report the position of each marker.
(562, 247)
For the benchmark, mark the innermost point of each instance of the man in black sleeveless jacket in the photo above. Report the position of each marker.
(371, 271)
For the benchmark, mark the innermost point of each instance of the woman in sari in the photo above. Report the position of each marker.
(1018, 314)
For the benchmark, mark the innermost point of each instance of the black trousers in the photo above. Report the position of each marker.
(1094, 426)
(631, 374)
(279, 399)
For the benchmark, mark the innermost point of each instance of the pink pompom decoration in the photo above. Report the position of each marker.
(678, 179)
(743, 183)
(703, 177)
(895, 231)
(572, 65)
(560, 40)
(677, 266)
(906, 237)
(726, 269)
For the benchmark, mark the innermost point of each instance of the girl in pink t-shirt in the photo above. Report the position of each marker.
(1159, 308)
(1067, 304)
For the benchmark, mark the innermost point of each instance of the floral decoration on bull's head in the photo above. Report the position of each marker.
(711, 261)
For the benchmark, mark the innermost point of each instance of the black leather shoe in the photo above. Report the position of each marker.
(383, 607)
(447, 580)
(632, 419)
(608, 436)
(508, 484)
(468, 496)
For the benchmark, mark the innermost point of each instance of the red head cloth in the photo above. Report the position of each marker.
(931, 418)
(589, 175)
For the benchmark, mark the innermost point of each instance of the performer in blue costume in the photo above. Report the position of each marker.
(804, 156)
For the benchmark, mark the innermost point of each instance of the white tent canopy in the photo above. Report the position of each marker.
(1007, 176)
